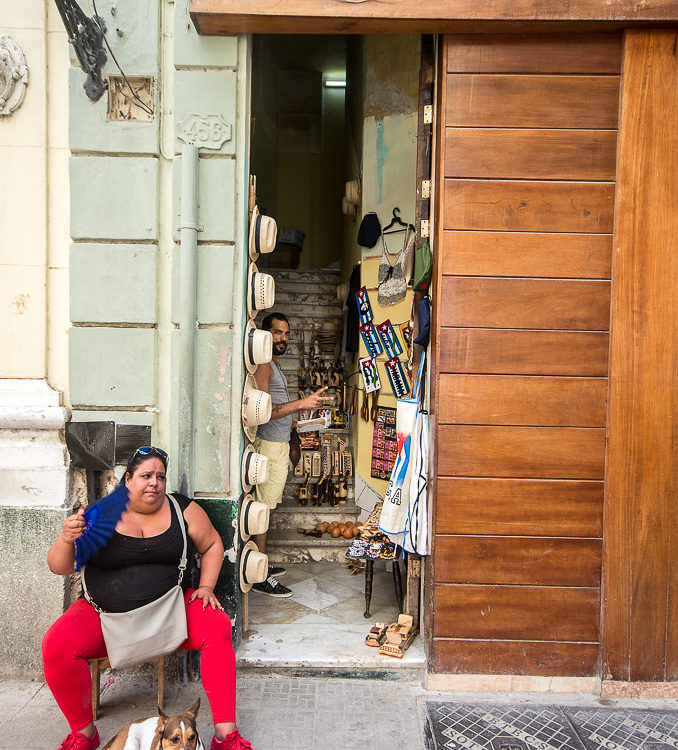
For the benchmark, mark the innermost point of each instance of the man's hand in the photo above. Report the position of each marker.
(316, 400)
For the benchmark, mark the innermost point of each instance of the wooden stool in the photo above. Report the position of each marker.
(96, 665)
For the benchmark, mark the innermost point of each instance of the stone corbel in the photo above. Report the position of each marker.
(13, 75)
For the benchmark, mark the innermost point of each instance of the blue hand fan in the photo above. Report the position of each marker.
(101, 519)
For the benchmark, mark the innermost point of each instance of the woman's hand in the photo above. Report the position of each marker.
(61, 555)
(74, 527)
(206, 596)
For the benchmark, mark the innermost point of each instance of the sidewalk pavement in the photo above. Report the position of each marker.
(278, 712)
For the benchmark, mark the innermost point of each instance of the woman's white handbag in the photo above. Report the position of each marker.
(147, 632)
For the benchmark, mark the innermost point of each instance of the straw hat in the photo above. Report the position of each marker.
(263, 234)
(260, 291)
(256, 407)
(253, 566)
(254, 517)
(254, 468)
(258, 346)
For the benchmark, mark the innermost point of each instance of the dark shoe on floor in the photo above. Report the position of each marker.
(232, 741)
(276, 571)
(271, 587)
(78, 741)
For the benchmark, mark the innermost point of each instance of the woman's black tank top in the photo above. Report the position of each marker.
(130, 572)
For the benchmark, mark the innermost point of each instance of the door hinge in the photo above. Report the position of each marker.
(425, 228)
(426, 188)
(428, 114)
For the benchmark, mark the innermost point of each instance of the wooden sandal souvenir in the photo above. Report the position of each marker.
(377, 635)
(399, 635)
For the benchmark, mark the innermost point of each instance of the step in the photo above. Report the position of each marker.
(284, 545)
(297, 275)
(292, 517)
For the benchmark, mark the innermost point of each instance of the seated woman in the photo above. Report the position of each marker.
(137, 565)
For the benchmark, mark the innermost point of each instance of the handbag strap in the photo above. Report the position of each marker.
(182, 526)
(182, 561)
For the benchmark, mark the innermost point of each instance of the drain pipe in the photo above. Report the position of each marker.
(187, 313)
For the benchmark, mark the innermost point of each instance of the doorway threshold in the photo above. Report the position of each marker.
(321, 629)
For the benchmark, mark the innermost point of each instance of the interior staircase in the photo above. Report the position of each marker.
(308, 297)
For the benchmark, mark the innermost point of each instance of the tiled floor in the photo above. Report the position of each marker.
(514, 727)
(326, 597)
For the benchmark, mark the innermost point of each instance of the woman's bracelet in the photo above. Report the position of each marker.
(205, 586)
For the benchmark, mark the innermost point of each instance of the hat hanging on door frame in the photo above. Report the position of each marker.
(254, 517)
(263, 234)
(260, 291)
(254, 468)
(258, 346)
(253, 566)
(256, 407)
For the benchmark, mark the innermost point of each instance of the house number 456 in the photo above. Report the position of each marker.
(205, 131)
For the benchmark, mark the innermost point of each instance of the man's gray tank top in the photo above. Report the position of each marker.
(277, 430)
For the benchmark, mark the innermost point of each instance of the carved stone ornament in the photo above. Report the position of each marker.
(13, 75)
(205, 131)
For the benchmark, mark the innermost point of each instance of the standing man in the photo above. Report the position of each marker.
(273, 438)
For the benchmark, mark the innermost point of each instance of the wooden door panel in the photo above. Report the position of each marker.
(518, 560)
(522, 400)
(525, 303)
(527, 254)
(521, 452)
(521, 206)
(530, 154)
(477, 350)
(517, 612)
(514, 657)
(641, 616)
(534, 53)
(529, 101)
(527, 507)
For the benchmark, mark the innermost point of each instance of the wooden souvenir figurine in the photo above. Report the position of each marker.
(303, 491)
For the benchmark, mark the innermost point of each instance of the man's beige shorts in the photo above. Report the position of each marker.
(270, 493)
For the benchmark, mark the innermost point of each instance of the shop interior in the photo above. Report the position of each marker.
(333, 138)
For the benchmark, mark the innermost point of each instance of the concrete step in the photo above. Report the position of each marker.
(300, 276)
(285, 545)
(292, 517)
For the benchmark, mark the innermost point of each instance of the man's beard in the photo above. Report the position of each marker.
(279, 348)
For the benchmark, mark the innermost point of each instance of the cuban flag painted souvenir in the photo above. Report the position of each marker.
(372, 341)
(370, 373)
(364, 308)
(389, 339)
(406, 333)
(397, 377)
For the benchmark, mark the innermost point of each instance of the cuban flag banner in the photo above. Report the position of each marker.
(372, 341)
(370, 373)
(364, 307)
(406, 333)
(397, 377)
(389, 339)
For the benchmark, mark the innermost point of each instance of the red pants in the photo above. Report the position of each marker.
(76, 637)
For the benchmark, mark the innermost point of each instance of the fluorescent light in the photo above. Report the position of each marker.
(335, 83)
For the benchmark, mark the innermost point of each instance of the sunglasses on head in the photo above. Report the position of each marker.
(150, 450)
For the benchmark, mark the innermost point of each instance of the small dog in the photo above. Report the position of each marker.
(160, 732)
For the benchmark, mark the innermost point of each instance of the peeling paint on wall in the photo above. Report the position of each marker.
(382, 154)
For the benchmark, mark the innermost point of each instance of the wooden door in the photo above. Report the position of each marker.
(527, 143)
